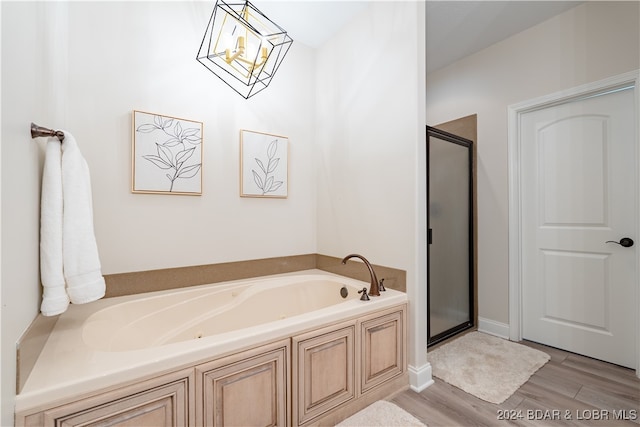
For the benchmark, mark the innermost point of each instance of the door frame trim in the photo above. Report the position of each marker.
(515, 112)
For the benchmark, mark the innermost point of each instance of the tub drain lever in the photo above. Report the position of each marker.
(364, 296)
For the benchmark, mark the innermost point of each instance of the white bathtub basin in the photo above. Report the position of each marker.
(165, 319)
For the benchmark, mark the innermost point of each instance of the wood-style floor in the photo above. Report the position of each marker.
(570, 390)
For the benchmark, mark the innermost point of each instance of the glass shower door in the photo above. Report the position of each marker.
(450, 222)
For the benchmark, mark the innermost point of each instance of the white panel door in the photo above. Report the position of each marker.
(578, 192)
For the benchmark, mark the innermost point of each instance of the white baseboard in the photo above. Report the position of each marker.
(492, 327)
(420, 377)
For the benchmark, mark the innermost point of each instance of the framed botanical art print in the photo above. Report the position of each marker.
(264, 165)
(166, 155)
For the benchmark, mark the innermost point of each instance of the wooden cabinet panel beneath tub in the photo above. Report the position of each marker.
(383, 343)
(246, 389)
(160, 402)
(323, 366)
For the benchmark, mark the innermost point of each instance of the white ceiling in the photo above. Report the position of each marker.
(311, 22)
(454, 29)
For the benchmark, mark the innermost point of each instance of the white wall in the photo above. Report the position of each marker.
(370, 128)
(587, 43)
(23, 34)
(2, 374)
(142, 55)
(83, 67)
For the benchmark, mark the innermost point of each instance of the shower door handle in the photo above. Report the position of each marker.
(625, 242)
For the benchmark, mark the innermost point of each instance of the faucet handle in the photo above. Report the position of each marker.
(364, 296)
(381, 287)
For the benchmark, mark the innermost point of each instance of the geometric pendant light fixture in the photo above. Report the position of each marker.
(243, 47)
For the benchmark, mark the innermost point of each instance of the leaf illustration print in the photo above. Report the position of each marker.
(265, 178)
(176, 150)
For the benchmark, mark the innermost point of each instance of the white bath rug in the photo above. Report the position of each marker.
(381, 414)
(485, 366)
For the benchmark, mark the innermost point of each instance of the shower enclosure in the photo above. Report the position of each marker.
(450, 258)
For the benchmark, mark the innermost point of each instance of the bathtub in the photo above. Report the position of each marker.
(106, 343)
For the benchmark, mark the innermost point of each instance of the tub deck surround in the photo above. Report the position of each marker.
(121, 284)
(119, 341)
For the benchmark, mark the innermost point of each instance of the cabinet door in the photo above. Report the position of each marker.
(143, 404)
(383, 344)
(247, 389)
(323, 371)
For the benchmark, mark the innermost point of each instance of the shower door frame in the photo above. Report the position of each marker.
(468, 144)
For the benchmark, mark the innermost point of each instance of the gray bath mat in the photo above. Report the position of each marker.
(485, 366)
(381, 414)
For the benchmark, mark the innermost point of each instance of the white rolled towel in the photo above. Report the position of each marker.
(81, 262)
(54, 297)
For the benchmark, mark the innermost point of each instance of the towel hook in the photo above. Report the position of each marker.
(37, 131)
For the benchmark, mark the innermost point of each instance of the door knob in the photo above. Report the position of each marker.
(625, 242)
